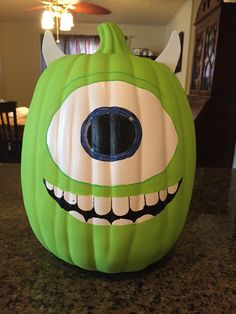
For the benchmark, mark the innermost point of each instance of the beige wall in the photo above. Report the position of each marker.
(20, 54)
(1, 73)
(19, 61)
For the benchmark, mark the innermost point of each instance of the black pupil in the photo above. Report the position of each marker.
(111, 134)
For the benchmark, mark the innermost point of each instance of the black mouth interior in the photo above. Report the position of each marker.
(131, 215)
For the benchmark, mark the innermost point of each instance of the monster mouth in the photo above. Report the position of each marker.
(113, 210)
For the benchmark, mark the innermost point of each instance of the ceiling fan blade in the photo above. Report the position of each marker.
(90, 8)
(40, 7)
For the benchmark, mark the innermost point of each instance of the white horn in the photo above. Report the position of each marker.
(170, 55)
(50, 50)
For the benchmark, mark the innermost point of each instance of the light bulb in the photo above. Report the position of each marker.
(66, 22)
(47, 21)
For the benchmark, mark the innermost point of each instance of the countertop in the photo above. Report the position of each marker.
(197, 276)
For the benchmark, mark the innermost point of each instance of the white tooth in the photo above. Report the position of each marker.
(143, 218)
(77, 215)
(137, 202)
(173, 188)
(151, 198)
(163, 194)
(49, 186)
(122, 222)
(85, 202)
(98, 221)
(120, 205)
(58, 192)
(70, 198)
(102, 205)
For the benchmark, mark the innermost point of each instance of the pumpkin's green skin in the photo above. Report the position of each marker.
(108, 249)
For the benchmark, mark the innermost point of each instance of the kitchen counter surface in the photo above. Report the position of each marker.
(197, 276)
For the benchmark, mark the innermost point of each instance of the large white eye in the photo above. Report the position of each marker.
(111, 133)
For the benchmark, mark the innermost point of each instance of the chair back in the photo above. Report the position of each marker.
(9, 141)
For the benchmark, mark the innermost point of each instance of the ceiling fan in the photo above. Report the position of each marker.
(73, 5)
(59, 12)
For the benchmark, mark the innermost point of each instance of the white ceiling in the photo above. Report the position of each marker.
(138, 12)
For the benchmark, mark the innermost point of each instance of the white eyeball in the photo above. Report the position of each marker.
(111, 133)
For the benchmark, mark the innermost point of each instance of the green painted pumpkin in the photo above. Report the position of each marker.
(108, 158)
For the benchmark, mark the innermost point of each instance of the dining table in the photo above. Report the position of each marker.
(197, 276)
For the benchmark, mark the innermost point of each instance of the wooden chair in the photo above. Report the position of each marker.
(10, 148)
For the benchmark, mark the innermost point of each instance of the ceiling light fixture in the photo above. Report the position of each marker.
(58, 12)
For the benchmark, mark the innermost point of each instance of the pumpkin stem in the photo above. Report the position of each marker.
(112, 39)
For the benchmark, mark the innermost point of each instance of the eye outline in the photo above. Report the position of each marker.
(122, 93)
(108, 111)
